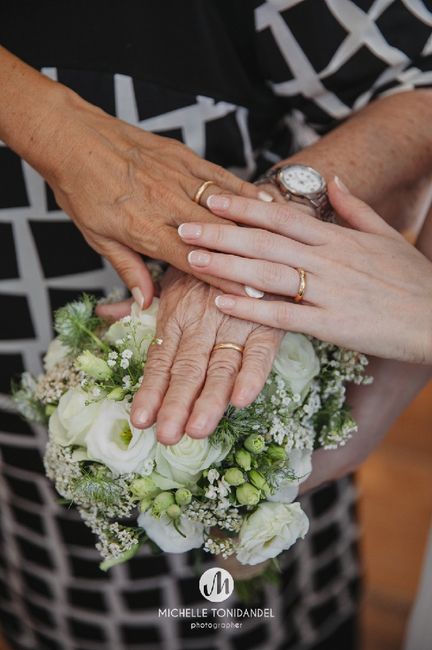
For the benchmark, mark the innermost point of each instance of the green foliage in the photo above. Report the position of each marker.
(76, 322)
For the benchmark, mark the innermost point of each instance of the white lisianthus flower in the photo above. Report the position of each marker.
(142, 323)
(113, 441)
(56, 352)
(271, 529)
(300, 465)
(73, 417)
(180, 465)
(296, 362)
(161, 530)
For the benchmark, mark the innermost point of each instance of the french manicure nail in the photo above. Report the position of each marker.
(341, 185)
(218, 202)
(190, 230)
(253, 293)
(138, 296)
(140, 417)
(224, 302)
(199, 258)
(265, 196)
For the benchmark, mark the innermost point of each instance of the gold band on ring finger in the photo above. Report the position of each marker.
(200, 191)
(302, 285)
(229, 346)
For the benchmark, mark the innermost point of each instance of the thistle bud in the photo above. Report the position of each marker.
(144, 487)
(255, 443)
(258, 480)
(173, 511)
(234, 476)
(243, 459)
(117, 394)
(161, 503)
(276, 453)
(183, 497)
(247, 495)
(93, 366)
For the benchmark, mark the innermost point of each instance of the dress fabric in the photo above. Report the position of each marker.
(318, 61)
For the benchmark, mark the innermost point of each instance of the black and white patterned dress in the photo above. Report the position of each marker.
(243, 83)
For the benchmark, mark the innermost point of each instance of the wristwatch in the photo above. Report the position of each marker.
(301, 184)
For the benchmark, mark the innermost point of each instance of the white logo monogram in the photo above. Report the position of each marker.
(216, 584)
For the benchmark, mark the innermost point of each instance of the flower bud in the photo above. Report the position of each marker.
(93, 366)
(144, 487)
(234, 476)
(258, 480)
(49, 409)
(183, 496)
(247, 495)
(161, 503)
(145, 504)
(117, 394)
(255, 443)
(173, 511)
(243, 459)
(276, 453)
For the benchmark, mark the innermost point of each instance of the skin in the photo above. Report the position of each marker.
(357, 275)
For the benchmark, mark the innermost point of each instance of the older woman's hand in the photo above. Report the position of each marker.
(367, 288)
(187, 385)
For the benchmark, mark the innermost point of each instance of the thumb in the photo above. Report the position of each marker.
(355, 212)
(132, 270)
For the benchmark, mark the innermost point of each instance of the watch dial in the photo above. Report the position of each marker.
(301, 180)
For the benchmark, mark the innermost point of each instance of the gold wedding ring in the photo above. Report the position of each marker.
(302, 285)
(156, 341)
(200, 191)
(229, 346)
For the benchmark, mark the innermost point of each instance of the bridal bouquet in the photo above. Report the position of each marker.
(231, 494)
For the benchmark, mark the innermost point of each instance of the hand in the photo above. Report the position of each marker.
(367, 287)
(187, 386)
(127, 190)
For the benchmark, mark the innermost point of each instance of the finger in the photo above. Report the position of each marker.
(209, 408)
(115, 310)
(278, 314)
(225, 179)
(283, 219)
(131, 268)
(355, 212)
(266, 276)
(247, 242)
(156, 377)
(258, 356)
(188, 373)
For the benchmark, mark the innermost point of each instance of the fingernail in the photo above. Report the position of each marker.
(224, 302)
(341, 185)
(265, 196)
(253, 293)
(190, 230)
(218, 202)
(199, 258)
(138, 296)
(141, 417)
(198, 424)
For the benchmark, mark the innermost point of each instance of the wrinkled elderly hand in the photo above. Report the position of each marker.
(187, 386)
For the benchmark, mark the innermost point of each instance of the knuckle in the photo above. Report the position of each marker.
(269, 274)
(189, 370)
(263, 243)
(223, 367)
(281, 314)
(280, 216)
(259, 355)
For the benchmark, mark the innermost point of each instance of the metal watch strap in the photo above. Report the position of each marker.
(324, 208)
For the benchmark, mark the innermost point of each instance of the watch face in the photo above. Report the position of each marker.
(301, 180)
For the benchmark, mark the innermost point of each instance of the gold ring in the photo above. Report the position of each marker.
(302, 285)
(156, 341)
(200, 191)
(229, 346)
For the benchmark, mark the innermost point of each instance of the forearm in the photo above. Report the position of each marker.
(384, 149)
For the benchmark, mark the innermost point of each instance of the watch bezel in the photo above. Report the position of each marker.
(281, 181)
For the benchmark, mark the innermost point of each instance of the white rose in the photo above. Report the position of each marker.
(271, 529)
(142, 323)
(169, 540)
(113, 441)
(56, 352)
(300, 464)
(181, 464)
(72, 418)
(296, 362)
